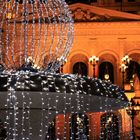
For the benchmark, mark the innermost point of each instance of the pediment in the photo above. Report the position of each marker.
(82, 12)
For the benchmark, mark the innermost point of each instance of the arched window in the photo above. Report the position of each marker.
(79, 127)
(109, 127)
(133, 68)
(80, 68)
(106, 71)
(133, 75)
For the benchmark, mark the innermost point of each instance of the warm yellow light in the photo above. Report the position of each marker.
(106, 76)
(93, 59)
(130, 95)
(9, 15)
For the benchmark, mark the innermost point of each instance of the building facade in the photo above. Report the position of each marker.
(109, 38)
(109, 35)
(132, 6)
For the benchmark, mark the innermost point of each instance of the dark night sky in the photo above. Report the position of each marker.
(81, 1)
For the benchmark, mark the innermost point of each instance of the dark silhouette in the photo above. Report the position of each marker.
(28, 67)
(2, 131)
(51, 132)
(1, 68)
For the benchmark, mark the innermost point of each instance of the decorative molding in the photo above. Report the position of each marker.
(107, 28)
(89, 13)
(85, 15)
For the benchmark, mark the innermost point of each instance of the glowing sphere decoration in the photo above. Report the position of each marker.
(38, 105)
(35, 32)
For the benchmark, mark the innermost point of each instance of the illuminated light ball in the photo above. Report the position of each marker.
(35, 33)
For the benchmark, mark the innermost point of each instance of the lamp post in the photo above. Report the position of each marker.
(124, 65)
(93, 61)
(123, 70)
(61, 68)
(132, 110)
(126, 59)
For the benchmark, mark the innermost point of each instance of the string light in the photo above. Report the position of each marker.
(42, 33)
(50, 36)
(56, 89)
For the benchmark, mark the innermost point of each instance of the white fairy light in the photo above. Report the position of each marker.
(24, 39)
(8, 115)
(42, 116)
(29, 123)
(23, 115)
(73, 102)
(43, 31)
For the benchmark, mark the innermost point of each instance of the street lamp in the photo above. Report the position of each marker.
(132, 110)
(93, 61)
(124, 65)
(123, 70)
(126, 59)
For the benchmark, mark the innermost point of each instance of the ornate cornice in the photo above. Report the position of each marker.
(87, 13)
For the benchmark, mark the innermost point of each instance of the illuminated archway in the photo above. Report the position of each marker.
(80, 68)
(109, 127)
(133, 68)
(79, 127)
(106, 71)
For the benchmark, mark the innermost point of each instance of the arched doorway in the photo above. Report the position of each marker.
(106, 71)
(133, 68)
(133, 75)
(109, 127)
(79, 127)
(80, 68)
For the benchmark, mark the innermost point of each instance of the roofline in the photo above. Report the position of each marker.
(103, 11)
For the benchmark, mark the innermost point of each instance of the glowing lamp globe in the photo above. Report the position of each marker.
(35, 33)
